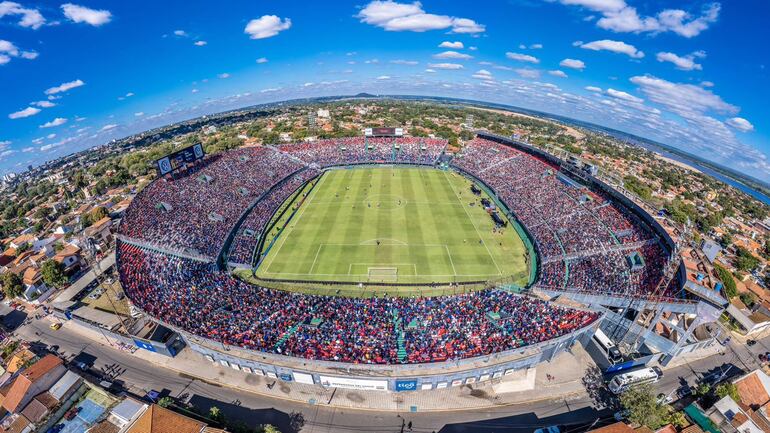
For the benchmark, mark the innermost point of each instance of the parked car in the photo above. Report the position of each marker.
(751, 342)
(55, 326)
(665, 398)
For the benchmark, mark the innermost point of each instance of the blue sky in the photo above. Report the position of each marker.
(691, 74)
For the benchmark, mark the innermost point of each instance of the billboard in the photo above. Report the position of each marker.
(175, 160)
(384, 132)
(406, 385)
(303, 378)
(350, 383)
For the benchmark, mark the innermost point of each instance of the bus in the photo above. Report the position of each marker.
(622, 382)
(609, 348)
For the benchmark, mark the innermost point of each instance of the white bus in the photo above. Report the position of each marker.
(623, 381)
(609, 348)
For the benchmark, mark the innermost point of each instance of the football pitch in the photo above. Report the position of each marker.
(393, 225)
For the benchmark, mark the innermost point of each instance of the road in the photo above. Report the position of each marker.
(138, 376)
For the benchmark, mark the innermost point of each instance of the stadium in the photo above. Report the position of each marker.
(384, 262)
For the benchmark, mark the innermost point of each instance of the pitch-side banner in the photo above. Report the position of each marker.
(350, 383)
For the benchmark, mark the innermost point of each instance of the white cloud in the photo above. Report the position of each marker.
(268, 90)
(573, 64)
(393, 16)
(139, 114)
(9, 50)
(383, 77)
(31, 18)
(432, 71)
(740, 124)
(558, 73)
(452, 55)
(262, 60)
(266, 26)
(536, 46)
(194, 91)
(522, 57)
(445, 65)
(593, 89)
(200, 43)
(528, 73)
(82, 14)
(618, 16)
(707, 84)
(28, 149)
(615, 47)
(55, 122)
(50, 136)
(180, 33)
(623, 95)
(108, 127)
(483, 74)
(685, 63)
(472, 48)
(29, 111)
(457, 45)
(223, 75)
(64, 87)
(405, 62)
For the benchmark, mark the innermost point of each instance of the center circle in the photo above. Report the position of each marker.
(384, 201)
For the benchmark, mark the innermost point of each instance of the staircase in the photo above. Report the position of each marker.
(397, 324)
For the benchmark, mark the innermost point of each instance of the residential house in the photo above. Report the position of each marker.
(156, 419)
(754, 389)
(69, 258)
(35, 290)
(730, 417)
(100, 230)
(34, 380)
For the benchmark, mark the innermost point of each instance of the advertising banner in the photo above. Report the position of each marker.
(350, 383)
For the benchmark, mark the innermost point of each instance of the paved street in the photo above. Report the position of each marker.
(139, 376)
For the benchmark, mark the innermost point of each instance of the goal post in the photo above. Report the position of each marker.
(383, 274)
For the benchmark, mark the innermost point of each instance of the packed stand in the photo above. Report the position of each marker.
(196, 210)
(199, 299)
(582, 237)
(244, 243)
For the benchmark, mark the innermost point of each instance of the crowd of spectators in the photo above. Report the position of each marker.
(195, 210)
(583, 237)
(358, 150)
(245, 241)
(200, 299)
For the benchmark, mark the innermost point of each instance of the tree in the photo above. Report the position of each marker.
(216, 414)
(165, 401)
(643, 407)
(53, 274)
(744, 260)
(269, 428)
(11, 285)
(727, 279)
(728, 389)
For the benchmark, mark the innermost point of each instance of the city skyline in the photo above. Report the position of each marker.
(79, 75)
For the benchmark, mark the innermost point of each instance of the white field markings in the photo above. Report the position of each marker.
(364, 275)
(474, 225)
(450, 259)
(315, 259)
(379, 266)
(296, 218)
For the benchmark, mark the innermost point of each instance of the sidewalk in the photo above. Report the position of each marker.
(566, 372)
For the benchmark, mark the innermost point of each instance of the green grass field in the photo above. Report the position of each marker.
(393, 225)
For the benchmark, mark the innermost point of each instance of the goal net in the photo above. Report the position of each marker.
(383, 275)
